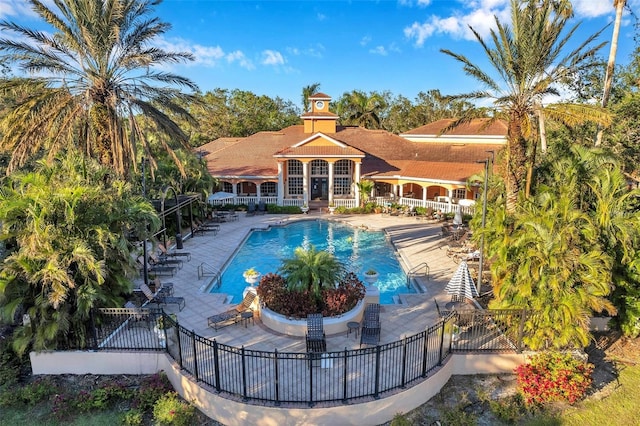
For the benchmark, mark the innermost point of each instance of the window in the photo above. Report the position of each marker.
(319, 168)
(295, 186)
(294, 167)
(342, 167)
(460, 193)
(268, 188)
(341, 185)
(227, 187)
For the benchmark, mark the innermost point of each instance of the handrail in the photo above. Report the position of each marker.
(205, 270)
(414, 271)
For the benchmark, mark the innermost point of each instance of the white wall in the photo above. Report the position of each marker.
(234, 413)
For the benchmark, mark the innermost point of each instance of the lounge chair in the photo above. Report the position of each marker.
(262, 207)
(156, 269)
(206, 227)
(160, 299)
(370, 332)
(251, 209)
(156, 260)
(233, 315)
(168, 254)
(315, 337)
(163, 289)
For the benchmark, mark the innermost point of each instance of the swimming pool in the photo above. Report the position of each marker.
(358, 249)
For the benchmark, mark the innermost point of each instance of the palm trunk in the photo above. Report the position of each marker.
(608, 78)
(516, 161)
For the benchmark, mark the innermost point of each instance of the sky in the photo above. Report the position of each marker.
(276, 48)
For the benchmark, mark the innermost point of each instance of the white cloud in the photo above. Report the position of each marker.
(365, 40)
(379, 50)
(410, 3)
(321, 17)
(239, 57)
(592, 8)
(272, 57)
(16, 8)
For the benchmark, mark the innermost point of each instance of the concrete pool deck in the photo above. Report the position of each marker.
(416, 241)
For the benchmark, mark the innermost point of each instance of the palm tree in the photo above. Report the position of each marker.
(608, 78)
(365, 186)
(527, 71)
(68, 222)
(359, 109)
(93, 79)
(307, 91)
(310, 269)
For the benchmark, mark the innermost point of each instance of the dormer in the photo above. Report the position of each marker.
(319, 119)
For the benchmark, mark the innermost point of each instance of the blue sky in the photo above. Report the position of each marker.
(277, 47)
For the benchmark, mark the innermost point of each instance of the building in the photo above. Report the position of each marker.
(322, 161)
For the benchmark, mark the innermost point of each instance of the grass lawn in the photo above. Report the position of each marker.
(618, 404)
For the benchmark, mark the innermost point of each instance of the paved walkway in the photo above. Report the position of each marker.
(416, 241)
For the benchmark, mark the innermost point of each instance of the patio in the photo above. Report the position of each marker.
(416, 241)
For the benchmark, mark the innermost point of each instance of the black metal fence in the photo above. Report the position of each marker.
(309, 378)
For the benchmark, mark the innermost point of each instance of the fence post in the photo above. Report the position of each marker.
(195, 353)
(244, 374)
(275, 368)
(440, 355)
(94, 331)
(425, 351)
(377, 380)
(404, 361)
(310, 359)
(523, 315)
(216, 365)
(344, 386)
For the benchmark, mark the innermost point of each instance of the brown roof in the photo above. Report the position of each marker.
(217, 144)
(320, 95)
(385, 154)
(475, 127)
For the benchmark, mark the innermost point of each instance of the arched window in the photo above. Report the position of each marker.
(319, 168)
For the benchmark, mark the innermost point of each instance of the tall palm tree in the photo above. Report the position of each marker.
(361, 109)
(310, 269)
(527, 57)
(307, 91)
(608, 77)
(92, 79)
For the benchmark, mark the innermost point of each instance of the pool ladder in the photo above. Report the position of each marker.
(421, 270)
(205, 270)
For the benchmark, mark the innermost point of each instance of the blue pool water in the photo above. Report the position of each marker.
(358, 249)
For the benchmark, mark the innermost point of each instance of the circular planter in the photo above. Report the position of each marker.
(371, 278)
(298, 327)
(332, 210)
(251, 279)
(304, 209)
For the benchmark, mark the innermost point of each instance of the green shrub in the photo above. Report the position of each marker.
(275, 209)
(400, 420)
(132, 418)
(511, 409)
(37, 391)
(171, 410)
(553, 376)
(151, 389)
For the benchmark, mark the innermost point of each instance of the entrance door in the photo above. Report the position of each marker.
(319, 188)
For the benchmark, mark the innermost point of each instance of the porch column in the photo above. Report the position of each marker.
(280, 193)
(331, 182)
(357, 180)
(234, 187)
(450, 207)
(424, 196)
(400, 190)
(258, 191)
(305, 183)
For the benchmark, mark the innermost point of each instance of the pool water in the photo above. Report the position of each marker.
(358, 249)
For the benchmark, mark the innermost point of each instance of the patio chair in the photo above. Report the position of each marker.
(160, 299)
(163, 289)
(370, 332)
(233, 315)
(156, 260)
(262, 207)
(173, 253)
(156, 269)
(315, 337)
(251, 208)
(204, 227)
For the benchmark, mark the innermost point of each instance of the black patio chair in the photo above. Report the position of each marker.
(251, 209)
(233, 315)
(315, 337)
(160, 299)
(370, 331)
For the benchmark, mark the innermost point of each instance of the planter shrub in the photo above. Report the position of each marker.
(277, 297)
(553, 376)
